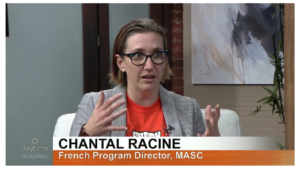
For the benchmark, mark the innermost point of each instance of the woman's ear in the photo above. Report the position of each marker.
(120, 63)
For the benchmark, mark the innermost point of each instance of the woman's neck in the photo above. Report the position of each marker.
(143, 98)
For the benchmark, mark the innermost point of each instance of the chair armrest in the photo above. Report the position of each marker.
(63, 125)
(229, 123)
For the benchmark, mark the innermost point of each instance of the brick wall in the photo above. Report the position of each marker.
(177, 48)
(239, 98)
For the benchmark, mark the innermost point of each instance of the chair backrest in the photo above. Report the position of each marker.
(229, 124)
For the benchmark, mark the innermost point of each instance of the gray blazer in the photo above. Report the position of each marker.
(182, 113)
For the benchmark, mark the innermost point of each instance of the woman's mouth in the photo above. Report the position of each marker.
(148, 78)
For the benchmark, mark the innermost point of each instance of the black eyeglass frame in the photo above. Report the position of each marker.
(130, 55)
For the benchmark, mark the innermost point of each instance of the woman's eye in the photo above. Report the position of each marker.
(158, 54)
(137, 55)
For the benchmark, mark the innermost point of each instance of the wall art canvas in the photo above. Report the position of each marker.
(231, 43)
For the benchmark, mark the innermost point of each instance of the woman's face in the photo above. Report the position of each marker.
(145, 78)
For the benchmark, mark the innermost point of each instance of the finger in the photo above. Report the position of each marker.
(114, 116)
(217, 109)
(214, 119)
(113, 107)
(116, 128)
(198, 135)
(111, 100)
(208, 112)
(208, 126)
(100, 100)
(213, 115)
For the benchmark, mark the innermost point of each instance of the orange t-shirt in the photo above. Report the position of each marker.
(145, 121)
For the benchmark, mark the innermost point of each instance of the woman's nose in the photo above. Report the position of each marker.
(149, 65)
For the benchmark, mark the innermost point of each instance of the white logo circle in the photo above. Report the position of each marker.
(34, 140)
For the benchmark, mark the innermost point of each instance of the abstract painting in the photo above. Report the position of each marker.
(231, 43)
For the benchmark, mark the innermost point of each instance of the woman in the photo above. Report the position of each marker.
(139, 105)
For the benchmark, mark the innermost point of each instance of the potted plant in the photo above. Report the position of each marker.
(275, 98)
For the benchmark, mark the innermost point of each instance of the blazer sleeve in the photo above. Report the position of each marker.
(84, 112)
(198, 122)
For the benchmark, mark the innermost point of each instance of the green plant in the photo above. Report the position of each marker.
(275, 99)
(280, 146)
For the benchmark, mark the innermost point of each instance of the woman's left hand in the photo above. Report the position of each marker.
(211, 117)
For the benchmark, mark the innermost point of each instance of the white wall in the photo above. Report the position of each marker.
(44, 76)
(44, 70)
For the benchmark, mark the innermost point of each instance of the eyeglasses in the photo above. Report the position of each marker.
(140, 59)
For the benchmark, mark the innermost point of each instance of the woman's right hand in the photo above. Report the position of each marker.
(100, 121)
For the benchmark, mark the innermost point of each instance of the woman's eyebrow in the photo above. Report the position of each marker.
(137, 50)
(143, 50)
(158, 48)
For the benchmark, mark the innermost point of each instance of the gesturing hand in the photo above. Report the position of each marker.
(100, 121)
(211, 118)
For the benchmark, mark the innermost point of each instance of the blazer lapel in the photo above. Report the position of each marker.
(168, 106)
(120, 121)
(169, 110)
